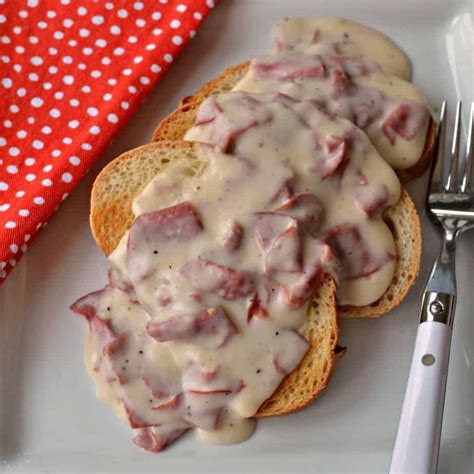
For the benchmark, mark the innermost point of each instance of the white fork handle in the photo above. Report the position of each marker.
(417, 443)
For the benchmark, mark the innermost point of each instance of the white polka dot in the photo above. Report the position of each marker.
(175, 24)
(68, 80)
(87, 51)
(12, 262)
(48, 168)
(8, 124)
(19, 50)
(132, 39)
(51, 14)
(140, 22)
(4, 207)
(46, 130)
(101, 43)
(21, 134)
(42, 24)
(168, 58)
(112, 82)
(122, 13)
(132, 89)
(105, 61)
(127, 72)
(17, 67)
(32, 3)
(27, 237)
(13, 151)
(21, 92)
(67, 60)
(3, 18)
(23, 14)
(192, 34)
(38, 144)
(52, 51)
(156, 15)
(82, 11)
(3, 142)
(59, 95)
(95, 74)
(74, 160)
(72, 43)
(73, 124)
(47, 182)
(163, 1)
(115, 30)
(95, 130)
(66, 177)
(7, 82)
(68, 23)
(177, 40)
(33, 39)
(125, 105)
(30, 161)
(52, 69)
(3, 186)
(107, 96)
(81, 66)
(24, 212)
(20, 194)
(38, 200)
(157, 31)
(118, 51)
(37, 102)
(36, 61)
(112, 118)
(74, 102)
(47, 86)
(14, 248)
(155, 68)
(56, 153)
(144, 80)
(181, 8)
(92, 111)
(55, 113)
(16, 29)
(12, 169)
(98, 20)
(84, 32)
(67, 140)
(10, 225)
(109, 6)
(14, 108)
(58, 35)
(138, 5)
(30, 177)
(138, 59)
(32, 76)
(150, 47)
(210, 3)
(86, 89)
(30, 120)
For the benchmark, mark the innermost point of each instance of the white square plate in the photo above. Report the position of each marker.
(50, 420)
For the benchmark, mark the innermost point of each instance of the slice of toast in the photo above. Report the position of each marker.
(122, 179)
(175, 125)
(111, 216)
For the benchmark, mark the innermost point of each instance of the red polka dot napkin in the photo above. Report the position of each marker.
(71, 74)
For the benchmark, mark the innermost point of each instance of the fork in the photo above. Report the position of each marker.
(450, 206)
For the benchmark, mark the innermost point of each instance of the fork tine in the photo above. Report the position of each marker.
(452, 180)
(466, 180)
(440, 145)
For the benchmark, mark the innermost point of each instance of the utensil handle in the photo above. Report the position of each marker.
(417, 443)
